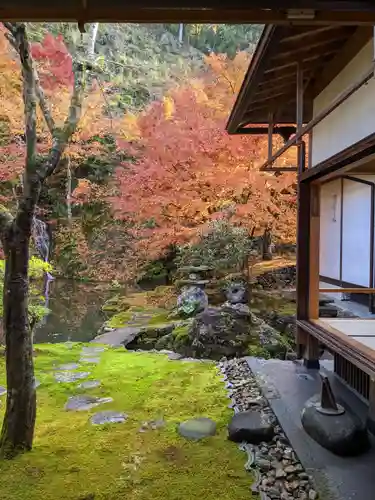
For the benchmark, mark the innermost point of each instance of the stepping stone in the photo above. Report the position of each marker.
(70, 376)
(250, 426)
(69, 344)
(83, 403)
(344, 435)
(197, 428)
(91, 350)
(174, 356)
(90, 360)
(3, 390)
(108, 417)
(36, 383)
(68, 366)
(89, 384)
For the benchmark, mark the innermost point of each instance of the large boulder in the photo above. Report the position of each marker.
(192, 300)
(250, 426)
(218, 332)
(343, 435)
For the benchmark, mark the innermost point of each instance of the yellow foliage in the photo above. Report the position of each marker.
(168, 107)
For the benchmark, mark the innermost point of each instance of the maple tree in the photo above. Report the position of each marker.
(15, 228)
(190, 171)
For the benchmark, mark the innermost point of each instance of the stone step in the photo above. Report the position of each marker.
(328, 311)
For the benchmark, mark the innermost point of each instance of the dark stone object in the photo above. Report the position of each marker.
(197, 428)
(108, 417)
(236, 293)
(325, 302)
(250, 426)
(343, 435)
(328, 311)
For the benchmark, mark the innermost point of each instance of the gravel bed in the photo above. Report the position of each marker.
(278, 471)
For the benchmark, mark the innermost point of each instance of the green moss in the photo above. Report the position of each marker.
(138, 315)
(181, 333)
(119, 320)
(74, 460)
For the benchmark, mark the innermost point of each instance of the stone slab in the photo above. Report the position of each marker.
(68, 366)
(83, 402)
(3, 390)
(197, 428)
(119, 337)
(69, 377)
(108, 417)
(89, 384)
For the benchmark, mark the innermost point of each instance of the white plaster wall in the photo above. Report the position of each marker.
(351, 121)
(356, 233)
(330, 219)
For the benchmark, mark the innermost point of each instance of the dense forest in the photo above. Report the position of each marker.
(150, 168)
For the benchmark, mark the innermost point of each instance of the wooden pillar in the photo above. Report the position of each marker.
(308, 227)
(371, 407)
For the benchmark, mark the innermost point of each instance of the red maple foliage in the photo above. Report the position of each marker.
(54, 60)
(190, 170)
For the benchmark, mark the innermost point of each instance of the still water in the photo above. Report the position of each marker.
(75, 311)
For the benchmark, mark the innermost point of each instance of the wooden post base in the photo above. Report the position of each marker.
(311, 353)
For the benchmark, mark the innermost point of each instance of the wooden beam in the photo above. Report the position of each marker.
(323, 114)
(314, 250)
(355, 43)
(270, 135)
(348, 290)
(307, 33)
(275, 168)
(299, 97)
(306, 279)
(300, 52)
(190, 11)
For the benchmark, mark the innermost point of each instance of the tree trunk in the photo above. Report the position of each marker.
(19, 420)
(267, 245)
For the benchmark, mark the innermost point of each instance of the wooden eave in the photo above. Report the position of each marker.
(189, 11)
(269, 86)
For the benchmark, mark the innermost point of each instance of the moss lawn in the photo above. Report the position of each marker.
(74, 460)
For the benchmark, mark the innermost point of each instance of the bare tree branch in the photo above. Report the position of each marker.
(43, 103)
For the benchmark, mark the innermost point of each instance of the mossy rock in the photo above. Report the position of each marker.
(115, 304)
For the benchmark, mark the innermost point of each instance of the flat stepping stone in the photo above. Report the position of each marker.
(70, 376)
(197, 428)
(36, 383)
(68, 366)
(88, 351)
(93, 360)
(3, 390)
(250, 426)
(83, 402)
(89, 384)
(108, 417)
(174, 356)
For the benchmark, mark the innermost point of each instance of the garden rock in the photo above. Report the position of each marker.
(68, 366)
(83, 402)
(236, 293)
(217, 332)
(250, 426)
(91, 351)
(108, 417)
(93, 360)
(191, 301)
(197, 428)
(89, 384)
(69, 377)
(3, 390)
(343, 435)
